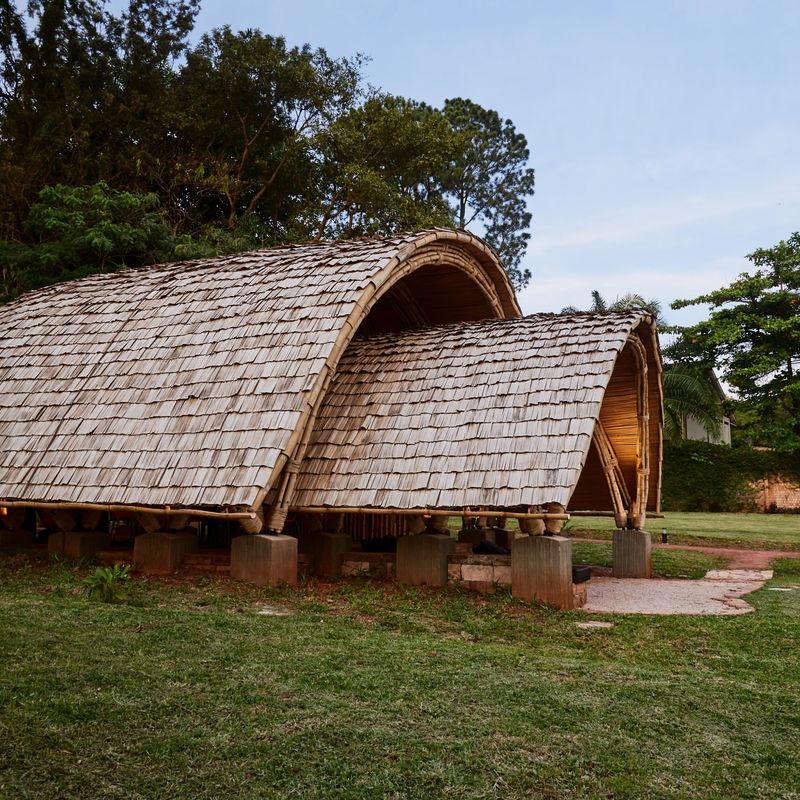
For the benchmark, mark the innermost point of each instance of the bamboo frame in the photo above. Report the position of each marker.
(192, 512)
(639, 507)
(620, 497)
(429, 512)
(432, 249)
(611, 514)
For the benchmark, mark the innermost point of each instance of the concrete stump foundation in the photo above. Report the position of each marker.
(476, 535)
(76, 545)
(325, 551)
(632, 554)
(541, 570)
(422, 559)
(264, 559)
(163, 552)
(15, 539)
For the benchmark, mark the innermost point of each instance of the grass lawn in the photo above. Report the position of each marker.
(666, 563)
(371, 690)
(754, 531)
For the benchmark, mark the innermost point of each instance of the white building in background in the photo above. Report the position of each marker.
(694, 430)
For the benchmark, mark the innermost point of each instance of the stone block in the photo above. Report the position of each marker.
(325, 551)
(541, 570)
(163, 552)
(422, 559)
(477, 572)
(632, 554)
(76, 545)
(454, 572)
(354, 568)
(264, 559)
(502, 575)
(15, 539)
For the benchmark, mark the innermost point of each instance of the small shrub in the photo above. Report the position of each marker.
(105, 582)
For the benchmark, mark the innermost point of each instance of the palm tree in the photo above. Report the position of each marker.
(688, 391)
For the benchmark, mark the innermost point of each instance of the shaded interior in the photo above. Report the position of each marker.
(618, 417)
(431, 295)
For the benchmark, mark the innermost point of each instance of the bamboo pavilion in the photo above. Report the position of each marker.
(325, 393)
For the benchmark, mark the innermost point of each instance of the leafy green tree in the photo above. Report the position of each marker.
(629, 300)
(377, 168)
(80, 231)
(753, 335)
(489, 182)
(83, 93)
(251, 111)
(689, 394)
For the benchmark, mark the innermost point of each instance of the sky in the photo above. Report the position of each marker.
(665, 136)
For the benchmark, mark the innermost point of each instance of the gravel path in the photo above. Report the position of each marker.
(719, 593)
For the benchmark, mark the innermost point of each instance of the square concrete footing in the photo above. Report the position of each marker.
(265, 559)
(541, 570)
(632, 554)
(325, 551)
(476, 535)
(76, 545)
(15, 539)
(422, 559)
(163, 552)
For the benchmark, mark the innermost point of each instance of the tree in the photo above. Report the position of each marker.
(753, 335)
(620, 303)
(80, 231)
(377, 170)
(688, 392)
(83, 93)
(252, 109)
(489, 182)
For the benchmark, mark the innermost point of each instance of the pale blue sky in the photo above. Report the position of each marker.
(665, 136)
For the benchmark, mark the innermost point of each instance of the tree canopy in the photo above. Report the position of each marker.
(753, 336)
(237, 141)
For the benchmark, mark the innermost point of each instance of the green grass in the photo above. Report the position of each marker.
(370, 690)
(753, 531)
(666, 563)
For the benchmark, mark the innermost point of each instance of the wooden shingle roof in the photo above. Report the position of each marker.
(188, 384)
(497, 413)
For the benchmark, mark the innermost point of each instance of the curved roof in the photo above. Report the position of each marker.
(497, 413)
(189, 384)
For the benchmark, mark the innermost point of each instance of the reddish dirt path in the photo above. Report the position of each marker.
(737, 559)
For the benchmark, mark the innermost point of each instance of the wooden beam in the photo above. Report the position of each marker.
(428, 512)
(194, 512)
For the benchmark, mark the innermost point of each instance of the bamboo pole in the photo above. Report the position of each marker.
(611, 514)
(193, 512)
(427, 512)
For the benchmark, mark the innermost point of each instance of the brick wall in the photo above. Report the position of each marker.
(774, 494)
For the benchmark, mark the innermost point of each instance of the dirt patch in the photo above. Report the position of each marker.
(737, 558)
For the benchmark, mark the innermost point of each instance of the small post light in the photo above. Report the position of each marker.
(663, 536)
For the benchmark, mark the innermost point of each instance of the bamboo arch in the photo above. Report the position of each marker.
(456, 249)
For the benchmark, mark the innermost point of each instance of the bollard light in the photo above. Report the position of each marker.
(663, 536)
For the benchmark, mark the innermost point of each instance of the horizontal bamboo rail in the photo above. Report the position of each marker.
(428, 512)
(192, 512)
(609, 514)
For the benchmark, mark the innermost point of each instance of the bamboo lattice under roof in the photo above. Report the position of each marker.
(191, 384)
(498, 413)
